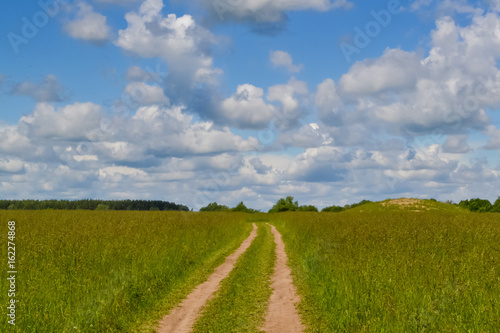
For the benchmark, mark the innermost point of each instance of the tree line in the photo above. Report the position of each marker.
(481, 205)
(282, 205)
(91, 204)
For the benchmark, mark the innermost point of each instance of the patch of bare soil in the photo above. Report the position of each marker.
(282, 316)
(402, 202)
(182, 318)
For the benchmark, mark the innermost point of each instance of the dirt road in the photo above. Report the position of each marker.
(182, 318)
(282, 316)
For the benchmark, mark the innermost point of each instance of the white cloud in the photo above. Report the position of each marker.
(117, 174)
(494, 134)
(283, 59)
(290, 96)
(13, 143)
(404, 94)
(144, 94)
(308, 136)
(117, 2)
(268, 10)
(11, 165)
(179, 40)
(88, 26)
(78, 121)
(456, 144)
(396, 69)
(136, 73)
(49, 90)
(495, 4)
(170, 132)
(247, 108)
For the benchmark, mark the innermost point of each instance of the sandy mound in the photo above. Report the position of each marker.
(402, 202)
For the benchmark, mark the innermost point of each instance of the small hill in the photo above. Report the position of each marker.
(409, 205)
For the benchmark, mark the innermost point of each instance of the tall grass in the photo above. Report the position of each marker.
(82, 271)
(396, 271)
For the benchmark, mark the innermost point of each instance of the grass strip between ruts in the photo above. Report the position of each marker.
(240, 304)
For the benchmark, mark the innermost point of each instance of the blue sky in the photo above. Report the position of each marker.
(330, 101)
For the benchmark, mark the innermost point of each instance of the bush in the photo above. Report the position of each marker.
(102, 207)
(243, 209)
(288, 205)
(477, 205)
(214, 207)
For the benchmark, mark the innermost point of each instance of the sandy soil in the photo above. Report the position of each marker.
(282, 316)
(401, 202)
(182, 318)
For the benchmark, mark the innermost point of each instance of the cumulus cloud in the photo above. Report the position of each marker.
(184, 45)
(494, 134)
(267, 10)
(247, 108)
(72, 122)
(456, 144)
(494, 4)
(14, 143)
(283, 59)
(88, 26)
(319, 165)
(290, 95)
(49, 90)
(136, 73)
(144, 94)
(11, 165)
(396, 70)
(118, 2)
(308, 136)
(404, 94)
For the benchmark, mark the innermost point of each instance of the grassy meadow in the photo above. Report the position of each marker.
(375, 268)
(89, 271)
(370, 270)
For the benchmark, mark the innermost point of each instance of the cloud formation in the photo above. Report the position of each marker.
(184, 45)
(49, 90)
(88, 26)
(283, 59)
(267, 10)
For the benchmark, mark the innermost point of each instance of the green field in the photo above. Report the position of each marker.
(370, 269)
(84, 271)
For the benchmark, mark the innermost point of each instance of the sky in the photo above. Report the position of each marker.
(193, 102)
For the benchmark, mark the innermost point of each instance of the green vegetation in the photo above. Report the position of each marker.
(90, 271)
(214, 207)
(480, 205)
(338, 209)
(288, 205)
(91, 205)
(240, 208)
(402, 265)
(390, 269)
(241, 303)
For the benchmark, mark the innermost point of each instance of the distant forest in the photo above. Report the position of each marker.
(282, 205)
(89, 204)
